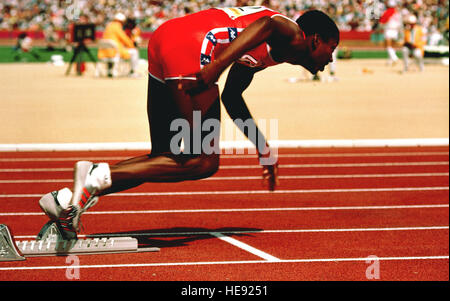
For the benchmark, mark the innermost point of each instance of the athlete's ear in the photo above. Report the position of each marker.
(315, 41)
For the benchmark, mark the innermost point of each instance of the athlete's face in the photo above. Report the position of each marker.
(321, 54)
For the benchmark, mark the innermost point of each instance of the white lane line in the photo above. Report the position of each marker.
(243, 178)
(241, 210)
(25, 181)
(351, 155)
(236, 145)
(80, 158)
(56, 169)
(338, 176)
(236, 156)
(245, 247)
(167, 264)
(332, 165)
(245, 192)
(231, 232)
(431, 163)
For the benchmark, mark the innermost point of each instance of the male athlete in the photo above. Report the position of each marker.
(186, 57)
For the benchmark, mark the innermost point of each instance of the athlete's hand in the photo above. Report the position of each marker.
(270, 168)
(204, 79)
(270, 176)
(193, 86)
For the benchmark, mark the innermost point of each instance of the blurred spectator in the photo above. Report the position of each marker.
(360, 15)
(24, 46)
(125, 46)
(414, 43)
(391, 20)
(435, 37)
(51, 36)
(133, 31)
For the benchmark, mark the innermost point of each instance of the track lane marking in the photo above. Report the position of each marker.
(231, 232)
(240, 210)
(235, 156)
(243, 192)
(240, 178)
(421, 163)
(166, 264)
(331, 165)
(245, 247)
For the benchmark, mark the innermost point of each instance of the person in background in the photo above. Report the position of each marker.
(391, 21)
(133, 31)
(413, 46)
(24, 45)
(126, 47)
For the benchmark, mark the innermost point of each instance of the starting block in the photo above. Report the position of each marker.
(8, 250)
(49, 242)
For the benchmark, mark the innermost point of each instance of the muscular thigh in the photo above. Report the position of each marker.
(162, 111)
(201, 113)
(164, 107)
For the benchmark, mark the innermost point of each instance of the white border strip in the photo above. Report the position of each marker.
(228, 144)
(167, 264)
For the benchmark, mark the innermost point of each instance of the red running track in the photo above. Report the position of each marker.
(333, 210)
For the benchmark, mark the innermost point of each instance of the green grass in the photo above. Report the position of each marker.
(40, 54)
(9, 55)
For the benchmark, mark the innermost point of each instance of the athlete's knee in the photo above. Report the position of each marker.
(205, 166)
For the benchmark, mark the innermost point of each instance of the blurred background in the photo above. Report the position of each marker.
(389, 78)
(49, 23)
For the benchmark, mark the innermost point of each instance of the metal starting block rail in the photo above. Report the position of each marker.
(49, 242)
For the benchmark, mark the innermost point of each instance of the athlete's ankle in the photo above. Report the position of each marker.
(99, 177)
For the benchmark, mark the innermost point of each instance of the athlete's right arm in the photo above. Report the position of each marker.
(265, 29)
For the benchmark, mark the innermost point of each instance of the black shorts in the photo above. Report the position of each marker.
(162, 110)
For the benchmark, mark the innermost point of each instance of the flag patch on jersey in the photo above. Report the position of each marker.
(210, 36)
(222, 35)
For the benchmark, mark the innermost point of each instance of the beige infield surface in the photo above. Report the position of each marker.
(39, 104)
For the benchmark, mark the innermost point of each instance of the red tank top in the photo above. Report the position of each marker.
(184, 45)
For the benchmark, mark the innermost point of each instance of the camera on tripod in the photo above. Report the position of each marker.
(83, 32)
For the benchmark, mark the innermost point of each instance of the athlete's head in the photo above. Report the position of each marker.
(323, 35)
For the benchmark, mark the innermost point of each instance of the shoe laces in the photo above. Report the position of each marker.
(66, 218)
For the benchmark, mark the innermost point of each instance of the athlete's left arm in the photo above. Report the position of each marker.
(239, 78)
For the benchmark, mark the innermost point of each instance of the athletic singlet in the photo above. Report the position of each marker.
(182, 46)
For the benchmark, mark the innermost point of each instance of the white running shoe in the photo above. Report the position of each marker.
(56, 205)
(53, 203)
(89, 178)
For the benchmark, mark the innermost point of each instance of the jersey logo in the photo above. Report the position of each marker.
(249, 60)
(232, 33)
(205, 59)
